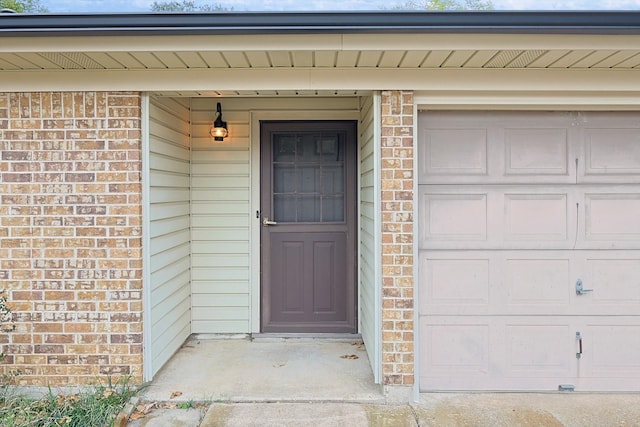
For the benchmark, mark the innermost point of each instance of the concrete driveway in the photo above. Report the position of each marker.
(437, 410)
(315, 383)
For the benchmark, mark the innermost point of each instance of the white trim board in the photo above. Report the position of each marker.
(147, 368)
(254, 136)
(606, 82)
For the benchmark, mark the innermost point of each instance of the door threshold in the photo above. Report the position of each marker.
(327, 337)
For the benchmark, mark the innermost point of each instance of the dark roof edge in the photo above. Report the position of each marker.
(552, 22)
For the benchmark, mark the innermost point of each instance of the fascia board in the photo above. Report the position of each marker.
(336, 42)
(603, 80)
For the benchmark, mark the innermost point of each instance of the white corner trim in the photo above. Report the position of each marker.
(254, 227)
(147, 358)
(416, 263)
(377, 226)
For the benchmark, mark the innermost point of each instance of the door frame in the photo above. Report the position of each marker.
(285, 115)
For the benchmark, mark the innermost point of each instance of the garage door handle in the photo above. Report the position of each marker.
(579, 338)
(580, 289)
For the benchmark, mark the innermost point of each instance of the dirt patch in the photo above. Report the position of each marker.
(217, 415)
(390, 415)
(451, 414)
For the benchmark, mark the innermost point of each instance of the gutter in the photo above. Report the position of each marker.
(379, 22)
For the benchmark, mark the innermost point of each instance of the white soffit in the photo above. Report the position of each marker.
(473, 51)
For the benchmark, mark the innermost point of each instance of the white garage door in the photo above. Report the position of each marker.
(517, 210)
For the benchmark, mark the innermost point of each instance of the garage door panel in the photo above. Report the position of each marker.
(538, 349)
(496, 353)
(612, 217)
(611, 349)
(611, 155)
(614, 280)
(529, 217)
(536, 217)
(542, 285)
(481, 147)
(496, 217)
(463, 348)
(529, 353)
(500, 283)
(455, 152)
(530, 282)
(536, 151)
(477, 147)
(450, 217)
(455, 284)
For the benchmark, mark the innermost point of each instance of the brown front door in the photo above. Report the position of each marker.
(308, 236)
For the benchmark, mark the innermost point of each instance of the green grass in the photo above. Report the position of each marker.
(93, 406)
(187, 405)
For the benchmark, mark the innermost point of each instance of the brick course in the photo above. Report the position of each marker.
(397, 237)
(70, 237)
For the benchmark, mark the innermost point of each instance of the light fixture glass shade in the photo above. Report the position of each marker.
(218, 132)
(219, 129)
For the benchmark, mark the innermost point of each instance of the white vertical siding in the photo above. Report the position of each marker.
(369, 209)
(169, 171)
(221, 207)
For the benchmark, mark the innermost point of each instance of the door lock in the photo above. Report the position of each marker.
(580, 289)
(266, 222)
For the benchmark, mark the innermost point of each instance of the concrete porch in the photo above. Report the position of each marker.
(265, 370)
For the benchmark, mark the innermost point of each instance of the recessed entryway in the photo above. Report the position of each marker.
(205, 220)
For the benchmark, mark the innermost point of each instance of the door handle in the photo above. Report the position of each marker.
(579, 338)
(266, 222)
(580, 289)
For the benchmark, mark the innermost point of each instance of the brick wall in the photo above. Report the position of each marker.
(397, 237)
(70, 235)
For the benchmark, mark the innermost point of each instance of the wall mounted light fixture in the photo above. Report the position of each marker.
(219, 129)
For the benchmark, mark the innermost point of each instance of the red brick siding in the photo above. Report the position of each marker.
(397, 237)
(70, 235)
